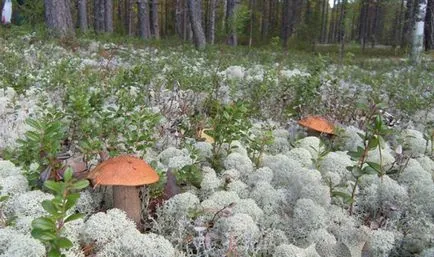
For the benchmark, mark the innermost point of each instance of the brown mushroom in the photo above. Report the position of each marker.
(318, 123)
(125, 173)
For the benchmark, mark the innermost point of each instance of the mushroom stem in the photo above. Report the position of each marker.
(127, 199)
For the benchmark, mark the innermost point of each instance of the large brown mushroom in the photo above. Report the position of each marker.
(125, 173)
(318, 123)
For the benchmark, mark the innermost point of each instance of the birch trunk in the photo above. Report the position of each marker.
(418, 29)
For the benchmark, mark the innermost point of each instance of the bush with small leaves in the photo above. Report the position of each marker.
(50, 228)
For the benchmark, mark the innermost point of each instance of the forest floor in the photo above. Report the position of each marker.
(252, 180)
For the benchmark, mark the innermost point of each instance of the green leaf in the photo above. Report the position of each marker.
(49, 207)
(63, 242)
(4, 198)
(375, 166)
(368, 170)
(44, 223)
(54, 252)
(71, 199)
(32, 135)
(345, 196)
(53, 185)
(74, 217)
(356, 171)
(43, 235)
(67, 176)
(34, 123)
(373, 143)
(355, 155)
(80, 184)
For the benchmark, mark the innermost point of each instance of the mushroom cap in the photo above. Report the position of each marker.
(318, 123)
(123, 170)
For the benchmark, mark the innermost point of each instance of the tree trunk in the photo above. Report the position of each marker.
(265, 19)
(210, 31)
(128, 16)
(58, 17)
(252, 21)
(82, 15)
(231, 23)
(324, 6)
(418, 29)
(194, 11)
(342, 31)
(155, 28)
(429, 26)
(108, 16)
(179, 10)
(143, 15)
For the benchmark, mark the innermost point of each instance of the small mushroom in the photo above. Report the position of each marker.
(125, 173)
(318, 123)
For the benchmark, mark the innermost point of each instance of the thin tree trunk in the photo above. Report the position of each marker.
(429, 26)
(128, 17)
(58, 17)
(342, 31)
(418, 31)
(155, 28)
(265, 19)
(119, 13)
(286, 13)
(179, 7)
(82, 15)
(194, 11)
(231, 23)
(210, 31)
(143, 15)
(252, 17)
